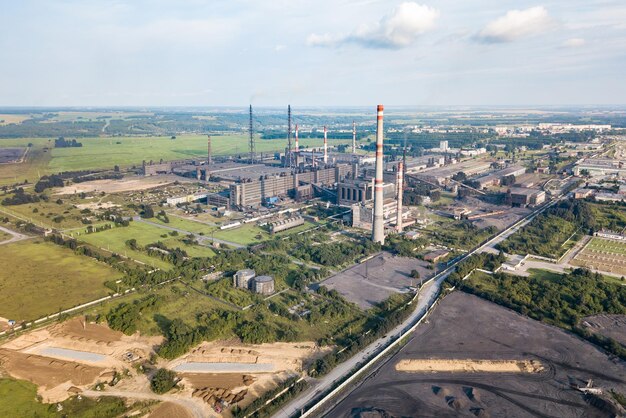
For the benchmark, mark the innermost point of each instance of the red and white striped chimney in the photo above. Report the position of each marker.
(399, 183)
(297, 146)
(325, 146)
(378, 226)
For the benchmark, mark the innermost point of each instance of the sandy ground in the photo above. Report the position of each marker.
(24, 359)
(463, 326)
(170, 410)
(283, 356)
(118, 186)
(52, 376)
(469, 366)
(287, 359)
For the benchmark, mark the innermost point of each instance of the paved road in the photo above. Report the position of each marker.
(197, 409)
(182, 231)
(15, 236)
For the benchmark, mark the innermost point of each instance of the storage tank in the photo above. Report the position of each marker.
(264, 285)
(242, 278)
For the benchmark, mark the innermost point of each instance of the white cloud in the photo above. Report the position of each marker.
(574, 43)
(516, 24)
(398, 29)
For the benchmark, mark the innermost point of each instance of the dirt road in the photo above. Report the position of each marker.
(192, 406)
(16, 236)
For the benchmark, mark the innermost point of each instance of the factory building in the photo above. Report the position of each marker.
(253, 193)
(263, 285)
(173, 201)
(601, 167)
(243, 278)
(520, 197)
(285, 224)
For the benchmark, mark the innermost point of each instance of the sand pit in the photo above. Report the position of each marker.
(78, 328)
(221, 380)
(47, 372)
(170, 410)
(235, 357)
(469, 366)
(117, 186)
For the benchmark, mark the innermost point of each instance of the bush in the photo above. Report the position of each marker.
(163, 381)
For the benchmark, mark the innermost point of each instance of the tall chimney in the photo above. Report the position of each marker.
(353, 137)
(209, 159)
(297, 145)
(288, 156)
(325, 146)
(378, 226)
(399, 182)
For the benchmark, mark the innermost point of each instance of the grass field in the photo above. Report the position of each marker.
(115, 240)
(36, 162)
(106, 152)
(40, 278)
(18, 398)
(251, 233)
(4, 236)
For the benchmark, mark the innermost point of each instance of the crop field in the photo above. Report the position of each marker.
(603, 254)
(7, 118)
(145, 233)
(106, 152)
(40, 278)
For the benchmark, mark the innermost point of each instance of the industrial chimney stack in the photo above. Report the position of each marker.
(399, 182)
(208, 160)
(297, 145)
(378, 226)
(325, 146)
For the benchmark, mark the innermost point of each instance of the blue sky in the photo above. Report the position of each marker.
(321, 53)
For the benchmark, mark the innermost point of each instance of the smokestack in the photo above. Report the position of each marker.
(378, 226)
(325, 146)
(353, 137)
(208, 160)
(288, 156)
(297, 145)
(399, 182)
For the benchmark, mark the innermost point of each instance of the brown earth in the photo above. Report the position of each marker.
(469, 366)
(170, 410)
(47, 372)
(117, 186)
(79, 329)
(217, 380)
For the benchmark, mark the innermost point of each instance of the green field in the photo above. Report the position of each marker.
(607, 246)
(40, 278)
(4, 236)
(106, 152)
(18, 398)
(251, 233)
(115, 240)
(186, 225)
